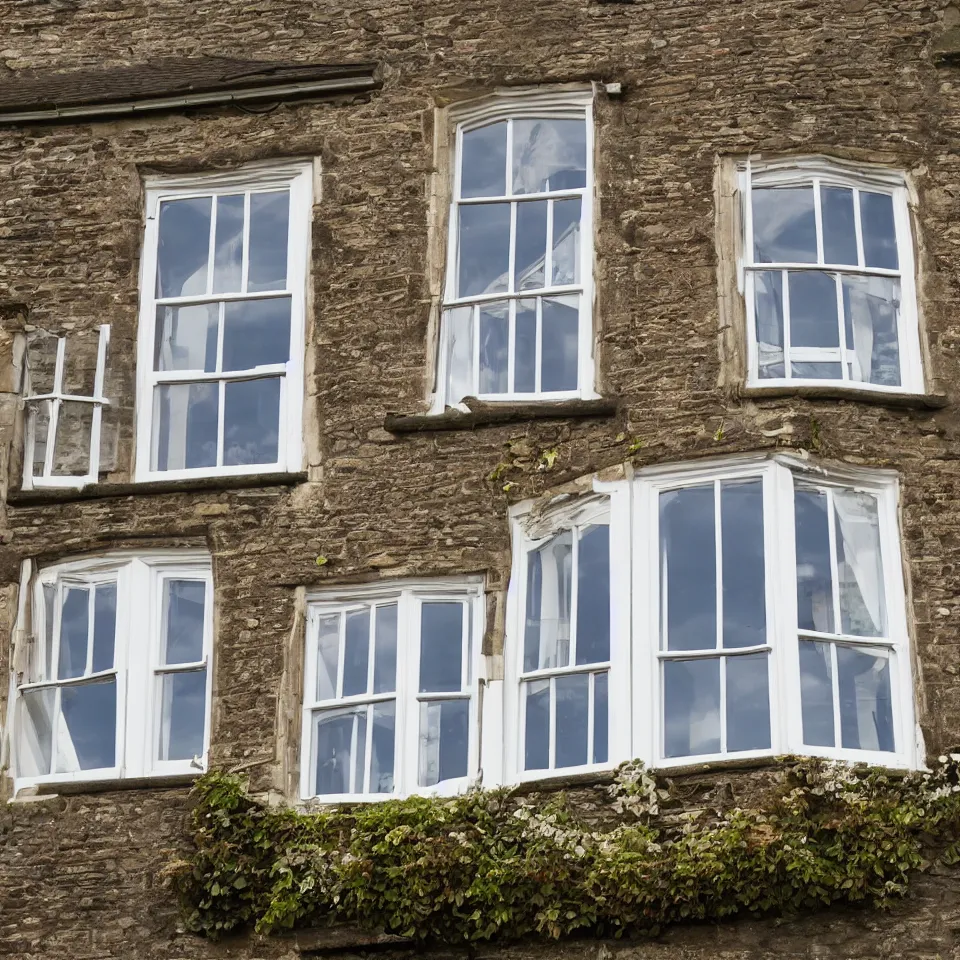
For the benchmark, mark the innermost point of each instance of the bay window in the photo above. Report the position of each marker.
(739, 608)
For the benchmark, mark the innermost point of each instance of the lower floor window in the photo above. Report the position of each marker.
(740, 609)
(117, 678)
(390, 697)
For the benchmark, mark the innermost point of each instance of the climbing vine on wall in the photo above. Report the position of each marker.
(494, 864)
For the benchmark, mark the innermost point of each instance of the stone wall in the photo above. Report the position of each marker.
(701, 78)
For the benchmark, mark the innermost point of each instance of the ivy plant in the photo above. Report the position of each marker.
(495, 864)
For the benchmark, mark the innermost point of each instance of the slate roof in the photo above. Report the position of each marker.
(33, 91)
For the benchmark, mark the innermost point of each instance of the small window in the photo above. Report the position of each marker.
(764, 614)
(516, 321)
(117, 682)
(62, 446)
(390, 698)
(829, 277)
(222, 320)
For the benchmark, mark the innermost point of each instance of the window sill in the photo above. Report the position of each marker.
(100, 491)
(486, 414)
(83, 787)
(906, 401)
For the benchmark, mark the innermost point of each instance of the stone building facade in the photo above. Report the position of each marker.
(354, 474)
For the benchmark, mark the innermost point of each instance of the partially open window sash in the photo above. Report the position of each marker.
(118, 681)
(829, 278)
(390, 696)
(222, 320)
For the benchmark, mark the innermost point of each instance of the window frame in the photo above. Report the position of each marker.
(297, 177)
(55, 399)
(573, 103)
(409, 595)
(635, 610)
(610, 504)
(802, 171)
(139, 578)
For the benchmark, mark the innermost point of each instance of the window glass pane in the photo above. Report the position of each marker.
(184, 602)
(549, 155)
(340, 745)
(525, 355)
(186, 337)
(228, 245)
(688, 569)
(483, 165)
(879, 230)
(251, 421)
(460, 373)
(35, 732)
(784, 225)
(561, 327)
(256, 333)
(572, 719)
(601, 718)
(269, 228)
(744, 574)
(71, 455)
(691, 707)
(768, 307)
(748, 703)
(484, 251)
(183, 714)
(816, 371)
(566, 241)
(859, 566)
(839, 228)
(536, 749)
(871, 307)
(814, 580)
(356, 652)
(549, 587)
(40, 425)
(813, 309)
(531, 245)
(183, 247)
(593, 595)
(104, 626)
(185, 427)
(866, 710)
(385, 650)
(444, 740)
(494, 337)
(816, 693)
(328, 655)
(441, 647)
(382, 748)
(87, 728)
(74, 630)
(49, 602)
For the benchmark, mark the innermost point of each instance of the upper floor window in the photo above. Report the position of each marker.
(764, 614)
(829, 277)
(390, 703)
(516, 319)
(116, 678)
(64, 413)
(221, 323)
